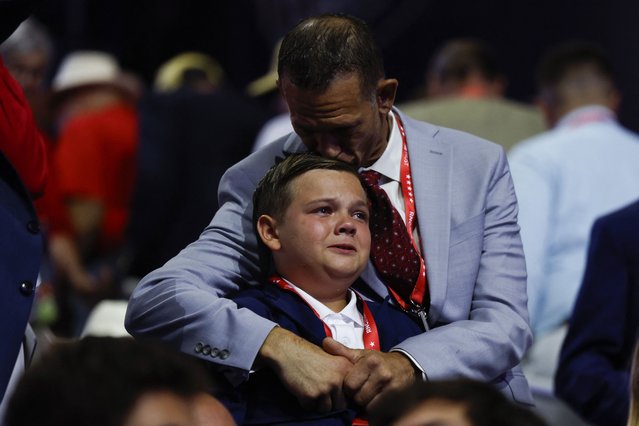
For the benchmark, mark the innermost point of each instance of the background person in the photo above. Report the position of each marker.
(106, 381)
(23, 176)
(565, 178)
(465, 90)
(451, 403)
(593, 375)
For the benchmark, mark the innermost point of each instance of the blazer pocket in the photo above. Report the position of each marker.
(470, 228)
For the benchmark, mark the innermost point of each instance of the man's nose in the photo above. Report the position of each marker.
(328, 146)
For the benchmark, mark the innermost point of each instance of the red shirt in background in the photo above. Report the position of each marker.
(20, 141)
(95, 158)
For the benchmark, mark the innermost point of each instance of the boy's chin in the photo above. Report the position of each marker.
(347, 274)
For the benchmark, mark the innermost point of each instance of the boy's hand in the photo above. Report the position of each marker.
(373, 372)
(308, 372)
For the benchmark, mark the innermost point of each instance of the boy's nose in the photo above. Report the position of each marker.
(347, 227)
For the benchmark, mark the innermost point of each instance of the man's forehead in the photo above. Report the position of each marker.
(340, 96)
(354, 79)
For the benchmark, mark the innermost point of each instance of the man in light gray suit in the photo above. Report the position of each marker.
(332, 78)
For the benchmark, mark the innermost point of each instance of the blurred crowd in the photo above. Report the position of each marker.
(134, 170)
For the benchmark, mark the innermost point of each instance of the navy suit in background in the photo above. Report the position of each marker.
(20, 237)
(20, 256)
(594, 367)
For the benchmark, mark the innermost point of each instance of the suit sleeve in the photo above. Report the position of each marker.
(593, 375)
(185, 302)
(486, 333)
(20, 139)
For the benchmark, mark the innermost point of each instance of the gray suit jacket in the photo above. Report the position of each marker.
(467, 217)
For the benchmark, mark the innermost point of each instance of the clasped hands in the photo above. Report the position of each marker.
(324, 379)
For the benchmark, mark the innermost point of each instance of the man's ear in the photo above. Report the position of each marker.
(385, 94)
(267, 231)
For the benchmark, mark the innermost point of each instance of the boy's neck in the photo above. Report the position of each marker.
(335, 303)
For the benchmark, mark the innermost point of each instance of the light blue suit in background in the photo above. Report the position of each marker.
(567, 177)
(467, 219)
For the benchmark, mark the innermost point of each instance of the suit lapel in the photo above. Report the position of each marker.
(431, 168)
(293, 145)
(288, 304)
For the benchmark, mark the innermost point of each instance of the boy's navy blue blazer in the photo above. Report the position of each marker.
(263, 399)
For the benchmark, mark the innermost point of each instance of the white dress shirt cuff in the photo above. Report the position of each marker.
(410, 357)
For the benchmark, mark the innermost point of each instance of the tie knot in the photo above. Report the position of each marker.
(370, 177)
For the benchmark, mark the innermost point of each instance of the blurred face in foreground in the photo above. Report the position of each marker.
(165, 408)
(436, 412)
(161, 408)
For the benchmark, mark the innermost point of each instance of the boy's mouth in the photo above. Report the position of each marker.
(346, 247)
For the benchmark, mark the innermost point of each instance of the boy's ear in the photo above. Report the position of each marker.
(267, 231)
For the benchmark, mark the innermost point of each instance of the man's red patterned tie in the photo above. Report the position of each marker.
(392, 251)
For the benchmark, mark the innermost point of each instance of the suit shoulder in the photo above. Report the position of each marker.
(447, 136)
(255, 165)
(625, 219)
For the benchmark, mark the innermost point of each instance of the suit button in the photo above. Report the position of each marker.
(224, 354)
(33, 226)
(206, 350)
(198, 347)
(26, 288)
(215, 352)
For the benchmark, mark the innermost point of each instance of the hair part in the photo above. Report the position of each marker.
(320, 48)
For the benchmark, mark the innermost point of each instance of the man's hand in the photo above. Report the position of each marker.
(373, 373)
(311, 374)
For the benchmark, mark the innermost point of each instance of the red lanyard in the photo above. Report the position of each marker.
(371, 337)
(406, 182)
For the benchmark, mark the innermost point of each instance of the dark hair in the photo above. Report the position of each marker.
(272, 195)
(485, 405)
(319, 48)
(562, 59)
(456, 59)
(96, 381)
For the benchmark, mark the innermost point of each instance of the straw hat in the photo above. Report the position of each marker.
(170, 75)
(268, 82)
(87, 68)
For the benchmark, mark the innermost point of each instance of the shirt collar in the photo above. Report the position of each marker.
(388, 164)
(586, 115)
(350, 311)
